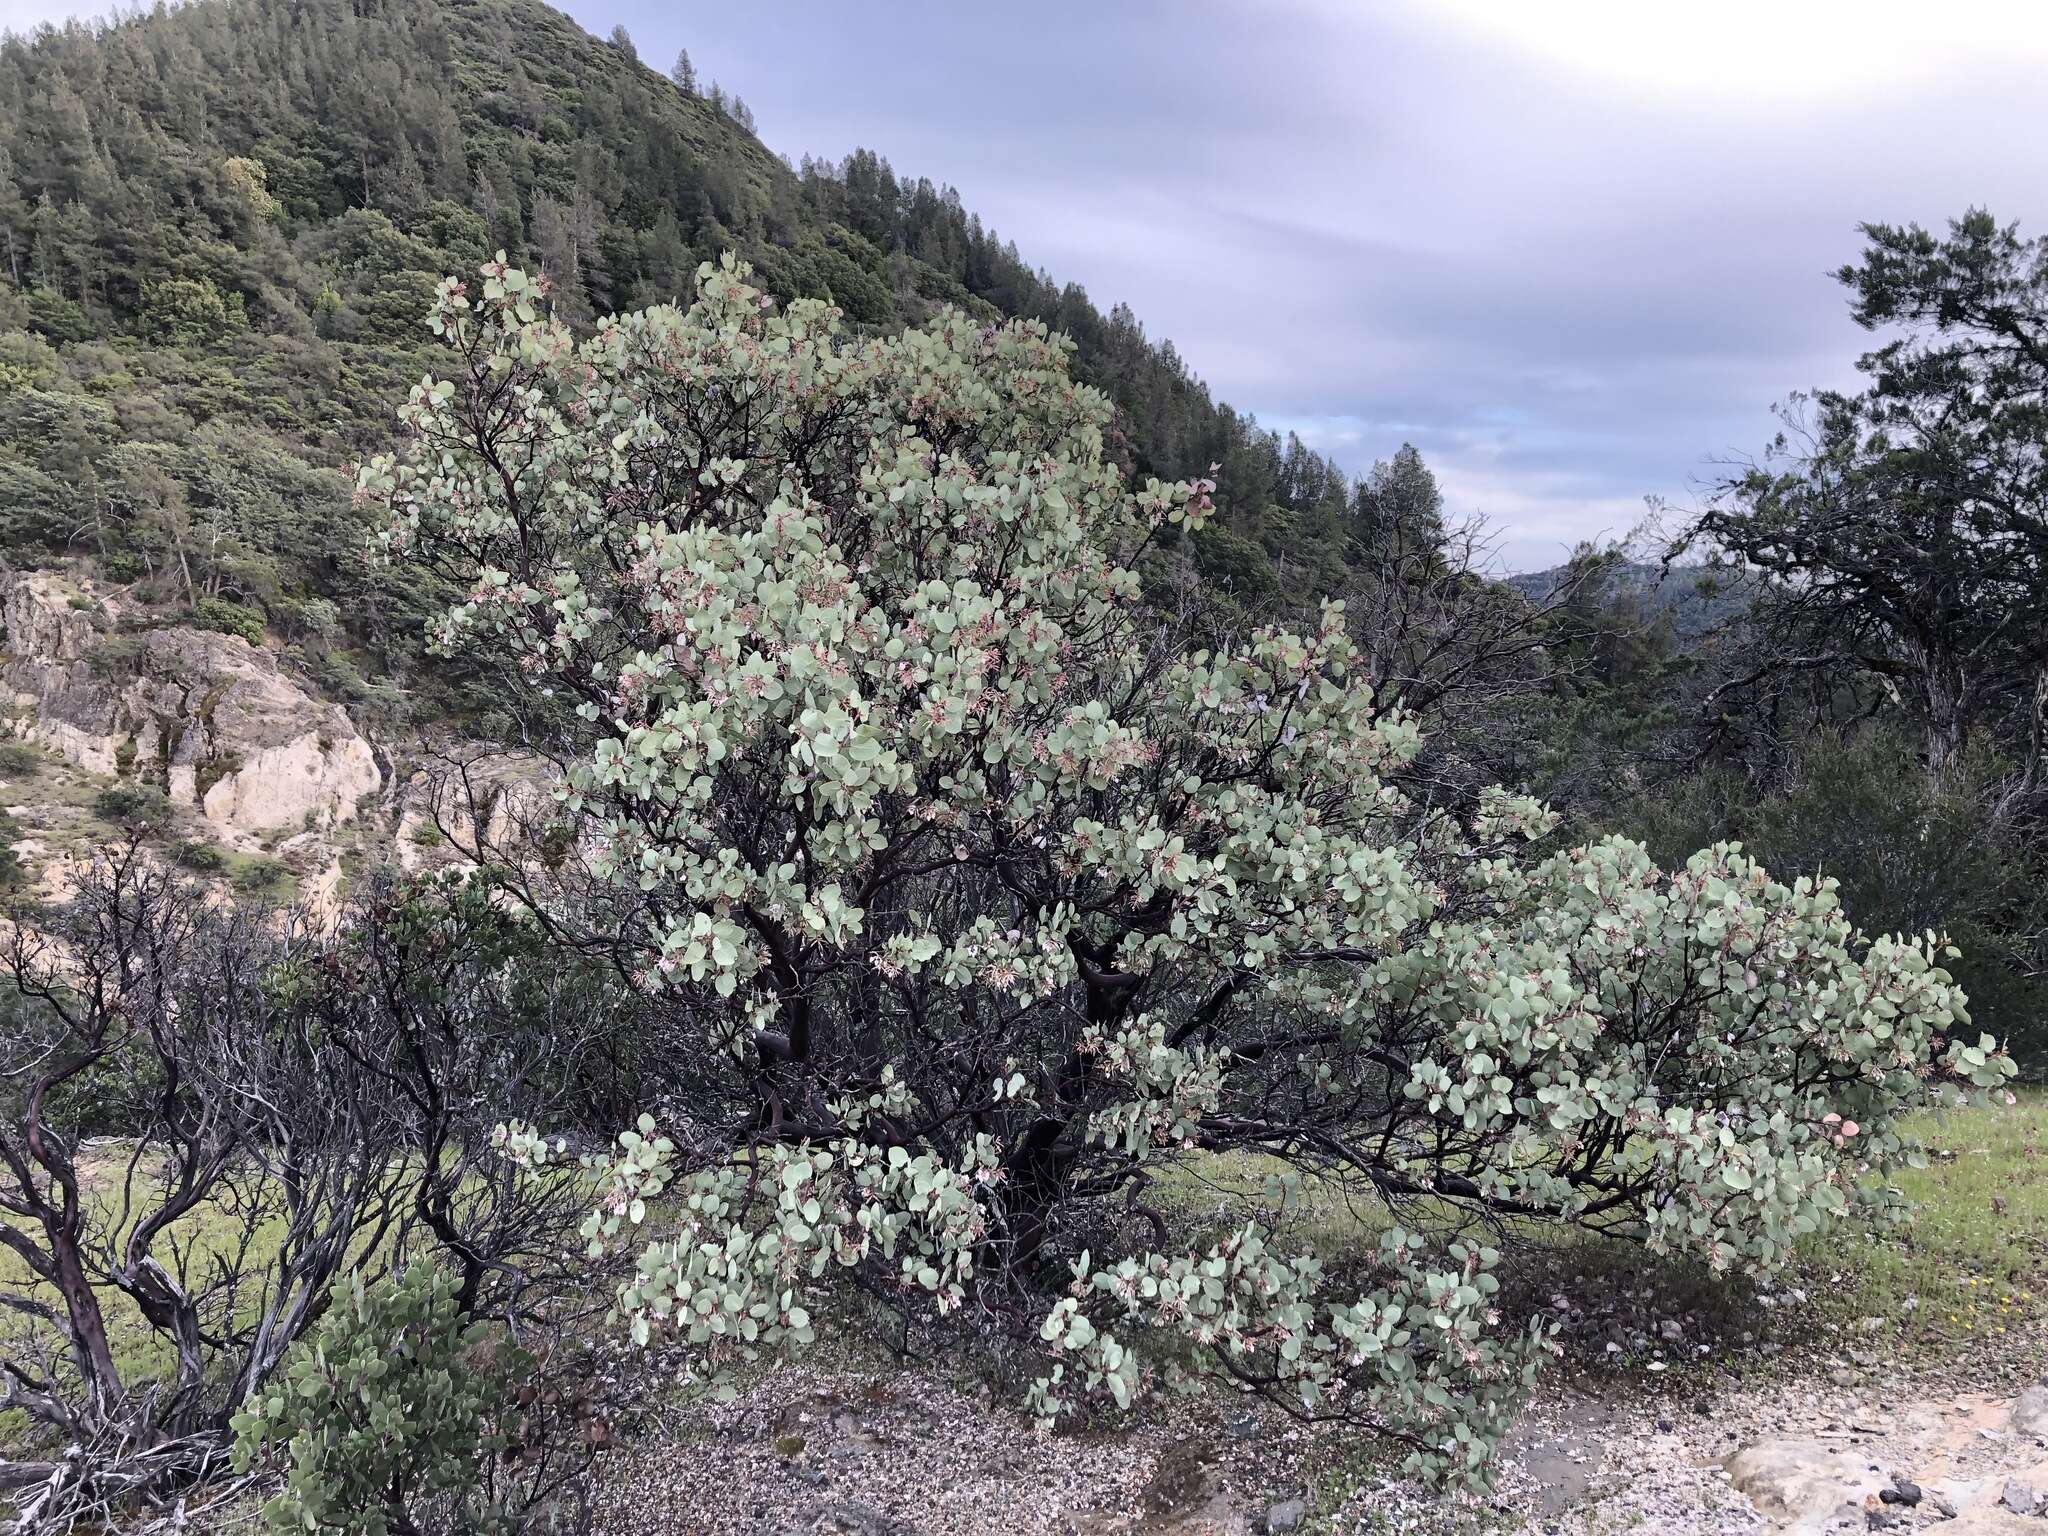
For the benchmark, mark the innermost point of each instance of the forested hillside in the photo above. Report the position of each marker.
(224, 222)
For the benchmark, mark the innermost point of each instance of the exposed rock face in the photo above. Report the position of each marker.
(474, 801)
(51, 626)
(209, 717)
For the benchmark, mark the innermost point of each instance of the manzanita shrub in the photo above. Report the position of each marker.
(381, 1416)
(995, 896)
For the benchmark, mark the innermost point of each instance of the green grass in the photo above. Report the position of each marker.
(1973, 1261)
(190, 1247)
(1970, 1265)
(140, 1352)
(215, 1230)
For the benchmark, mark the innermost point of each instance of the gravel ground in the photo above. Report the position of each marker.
(887, 1453)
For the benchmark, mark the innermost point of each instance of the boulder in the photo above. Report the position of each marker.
(2030, 1413)
(1801, 1479)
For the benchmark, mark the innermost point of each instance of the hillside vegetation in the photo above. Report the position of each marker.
(626, 762)
(223, 224)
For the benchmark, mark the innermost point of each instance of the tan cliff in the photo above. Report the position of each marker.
(212, 720)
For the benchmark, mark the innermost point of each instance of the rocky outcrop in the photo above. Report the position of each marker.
(210, 718)
(474, 802)
(1968, 1465)
(52, 625)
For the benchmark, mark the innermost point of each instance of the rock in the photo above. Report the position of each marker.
(2019, 1498)
(1901, 1491)
(1800, 1479)
(209, 718)
(1671, 1331)
(1287, 1515)
(2030, 1413)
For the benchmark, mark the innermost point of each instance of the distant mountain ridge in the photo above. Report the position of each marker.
(1697, 600)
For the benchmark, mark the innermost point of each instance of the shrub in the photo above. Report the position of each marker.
(261, 878)
(202, 858)
(18, 759)
(381, 1415)
(133, 805)
(1907, 855)
(1235, 563)
(58, 317)
(298, 1091)
(114, 658)
(224, 617)
(986, 897)
(186, 311)
(13, 872)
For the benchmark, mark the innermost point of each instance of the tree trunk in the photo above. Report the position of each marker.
(1948, 725)
(89, 1348)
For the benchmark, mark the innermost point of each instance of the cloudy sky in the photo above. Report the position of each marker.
(1572, 249)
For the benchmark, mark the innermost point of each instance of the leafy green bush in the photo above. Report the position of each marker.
(1026, 898)
(380, 1415)
(217, 613)
(183, 311)
(399, 1413)
(1235, 563)
(18, 759)
(133, 805)
(201, 858)
(114, 657)
(59, 317)
(13, 872)
(261, 878)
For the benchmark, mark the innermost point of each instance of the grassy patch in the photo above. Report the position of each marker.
(1973, 1261)
(210, 1234)
(1971, 1265)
